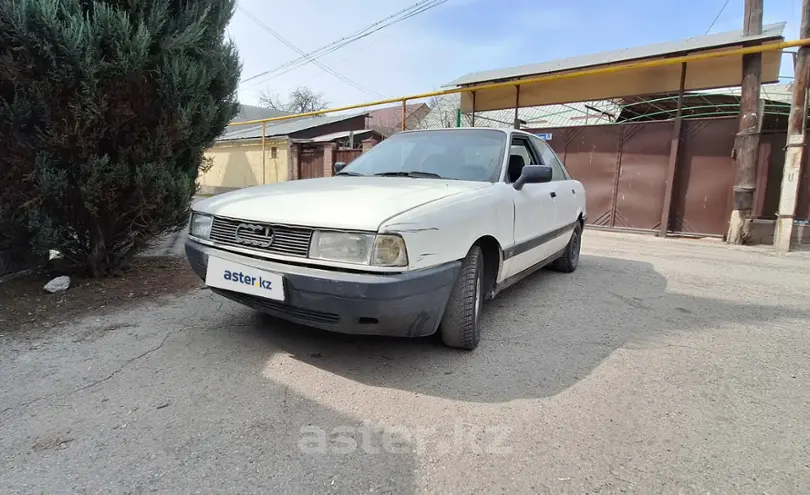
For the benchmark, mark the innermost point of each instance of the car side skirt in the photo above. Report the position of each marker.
(526, 246)
(525, 273)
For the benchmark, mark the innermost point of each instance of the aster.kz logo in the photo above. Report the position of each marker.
(241, 278)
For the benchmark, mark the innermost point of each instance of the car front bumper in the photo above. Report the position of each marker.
(407, 304)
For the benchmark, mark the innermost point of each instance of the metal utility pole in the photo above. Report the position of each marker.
(747, 141)
(791, 174)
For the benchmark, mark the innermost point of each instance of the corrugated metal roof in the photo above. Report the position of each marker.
(251, 112)
(696, 43)
(284, 127)
(443, 114)
(339, 135)
(781, 93)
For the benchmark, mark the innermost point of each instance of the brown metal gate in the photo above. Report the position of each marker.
(624, 170)
(347, 155)
(772, 156)
(590, 154)
(311, 163)
(702, 200)
(642, 172)
(803, 206)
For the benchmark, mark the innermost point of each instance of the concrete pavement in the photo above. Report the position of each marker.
(660, 366)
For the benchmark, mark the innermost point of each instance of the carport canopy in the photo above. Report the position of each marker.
(711, 73)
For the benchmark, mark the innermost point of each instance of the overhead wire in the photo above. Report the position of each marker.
(406, 13)
(304, 55)
(335, 45)
(402, 15)
(717, 16)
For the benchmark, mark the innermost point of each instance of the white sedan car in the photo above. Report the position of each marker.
(407, 240)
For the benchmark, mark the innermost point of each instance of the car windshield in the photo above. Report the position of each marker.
(472, 155)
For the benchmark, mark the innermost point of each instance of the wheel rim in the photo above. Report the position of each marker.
(575, 248)
(477, 297)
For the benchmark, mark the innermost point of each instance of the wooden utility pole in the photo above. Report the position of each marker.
(404, 115)
(747, 141)
(795, 139)
(264, 173)
(674, 149)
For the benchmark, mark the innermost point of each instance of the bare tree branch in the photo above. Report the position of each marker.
(271, 101)
(300, 100)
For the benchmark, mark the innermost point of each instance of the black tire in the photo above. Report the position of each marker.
(567, 263)
(459, 327)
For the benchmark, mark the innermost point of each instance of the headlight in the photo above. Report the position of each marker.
(201, 225)
(362, 249)
(342, 246)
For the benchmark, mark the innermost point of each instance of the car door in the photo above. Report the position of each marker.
(535, 215)
(565, 195)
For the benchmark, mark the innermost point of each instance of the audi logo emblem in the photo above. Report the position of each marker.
(254, 235)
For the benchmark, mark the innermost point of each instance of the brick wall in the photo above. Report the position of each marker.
(329, 150)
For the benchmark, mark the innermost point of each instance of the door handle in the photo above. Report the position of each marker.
(553, 194)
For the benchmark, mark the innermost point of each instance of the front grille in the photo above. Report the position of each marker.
(292, 241)
(279, 308)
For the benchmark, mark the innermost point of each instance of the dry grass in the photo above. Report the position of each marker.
(25, 304)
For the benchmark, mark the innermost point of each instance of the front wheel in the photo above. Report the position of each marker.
(459, 327)
(568, 261)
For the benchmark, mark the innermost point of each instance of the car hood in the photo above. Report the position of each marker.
(350, 203)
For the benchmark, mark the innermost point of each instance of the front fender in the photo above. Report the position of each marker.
(444, 230)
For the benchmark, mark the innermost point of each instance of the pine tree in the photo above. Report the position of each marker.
(106, 108)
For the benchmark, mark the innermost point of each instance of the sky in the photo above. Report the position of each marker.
(431, 49)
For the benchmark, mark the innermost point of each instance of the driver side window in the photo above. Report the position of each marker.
(520, 155)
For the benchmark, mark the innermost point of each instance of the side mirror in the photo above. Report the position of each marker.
(533, 174)
(339, 166)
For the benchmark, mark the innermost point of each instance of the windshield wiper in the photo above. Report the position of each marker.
(414, 173)
(352, 174)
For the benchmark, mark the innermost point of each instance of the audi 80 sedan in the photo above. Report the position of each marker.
(408, 239)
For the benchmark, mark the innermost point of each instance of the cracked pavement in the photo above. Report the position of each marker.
(660, 366)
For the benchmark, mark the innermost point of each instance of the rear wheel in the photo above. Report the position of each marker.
(568, 261)
(460, 324)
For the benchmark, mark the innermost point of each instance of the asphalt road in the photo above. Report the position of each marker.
(660, 366)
